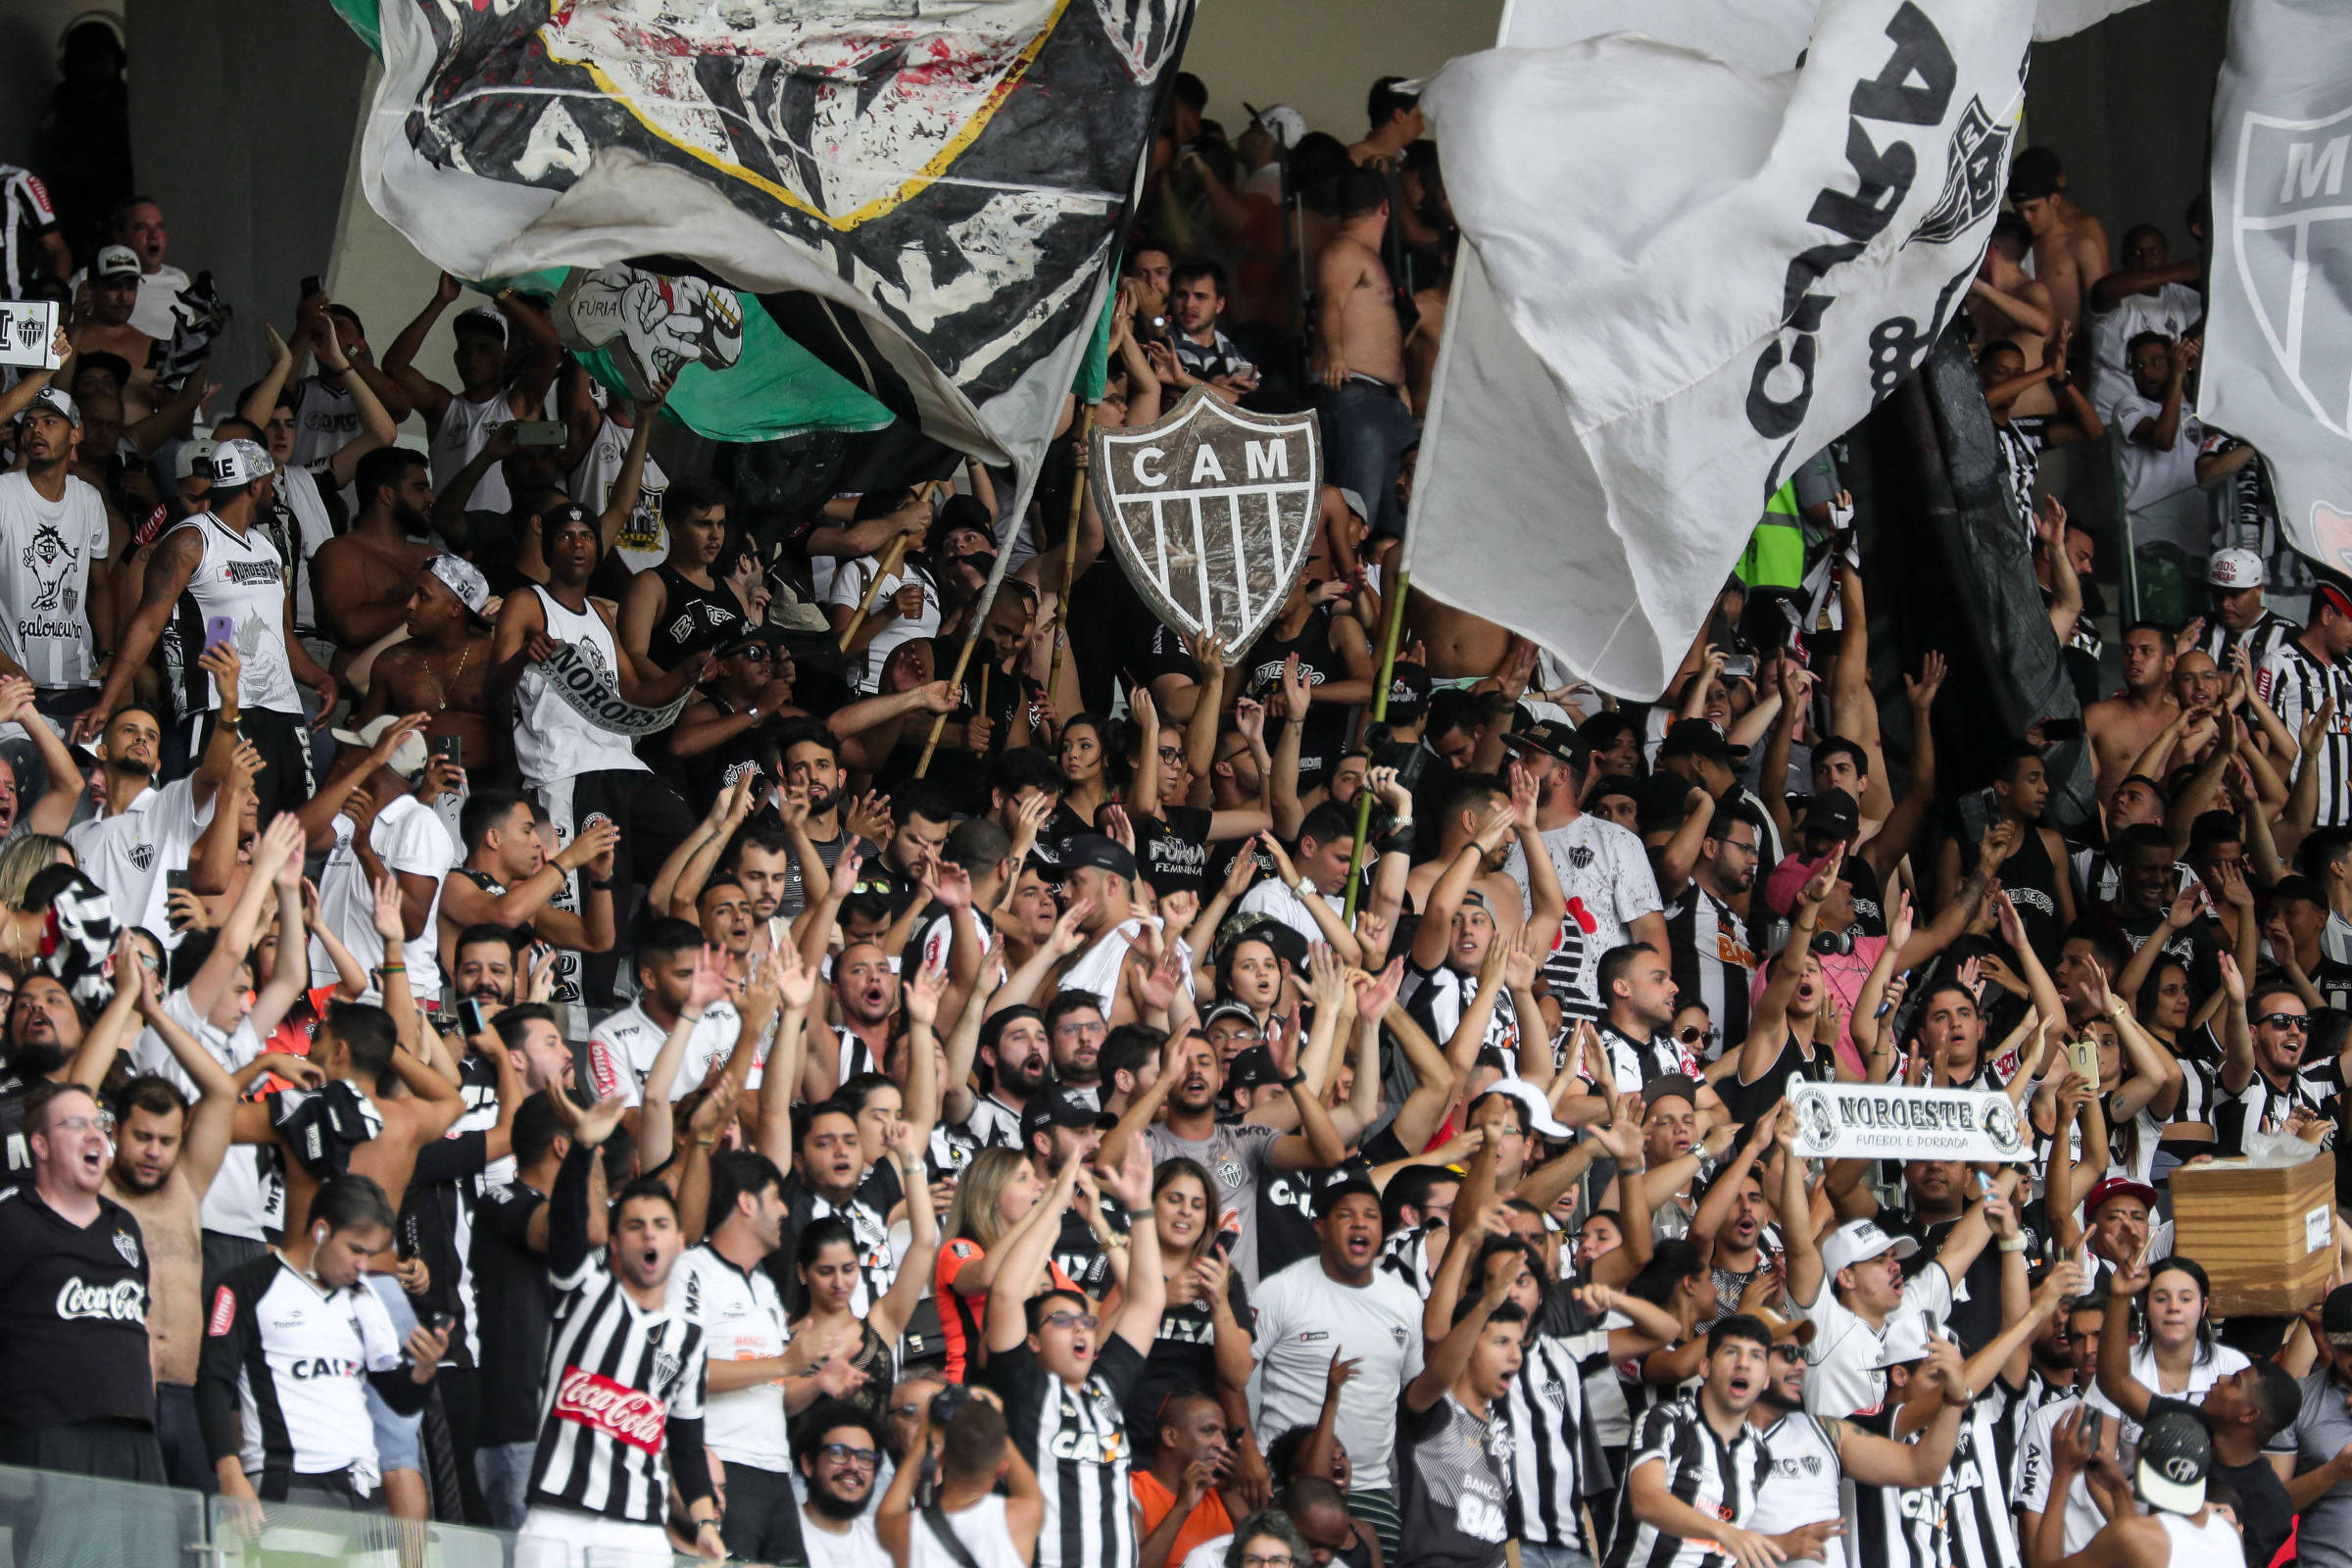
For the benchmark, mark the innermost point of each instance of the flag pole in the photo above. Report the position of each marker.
(1069, 549)
(988, 594)
(892, 559)
(1392, 623)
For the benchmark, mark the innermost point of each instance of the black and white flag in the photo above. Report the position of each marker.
(2278, 365)
(1704, 239)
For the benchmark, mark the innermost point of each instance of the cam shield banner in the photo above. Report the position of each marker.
(1879, 1121)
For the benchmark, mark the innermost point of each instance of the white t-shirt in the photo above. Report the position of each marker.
(2202, 1375)
(2151, 474)
(1277, 900)
(407, 836)
(1304, 1317)
(128, 853)
(849, 587)
(1841, 1375)
(860, 1547)
(742, 1319)
(622, 1050)
(46, 548)
(1605, 876)
(2032, 1492)
(2172, 311)
(643, 542)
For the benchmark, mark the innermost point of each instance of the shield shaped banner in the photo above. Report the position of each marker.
(2292, 233)
(1211, 511)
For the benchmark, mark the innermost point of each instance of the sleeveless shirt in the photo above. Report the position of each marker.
(242, 577)
(465, 430)
(552, 740)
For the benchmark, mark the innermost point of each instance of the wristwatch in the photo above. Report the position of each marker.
(1305, 888)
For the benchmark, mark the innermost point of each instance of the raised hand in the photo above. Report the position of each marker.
(924, 988)
(387, 914)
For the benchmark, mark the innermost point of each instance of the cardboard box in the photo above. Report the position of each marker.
(2266, 1237)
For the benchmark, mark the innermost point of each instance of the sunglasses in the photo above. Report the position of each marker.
(757, 653)
(2299, 1023)
(1691, 1034)
(855, 1458)
(1789, 1353)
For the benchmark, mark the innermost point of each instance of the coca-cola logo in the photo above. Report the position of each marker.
(124, 1301)
(625, 1414)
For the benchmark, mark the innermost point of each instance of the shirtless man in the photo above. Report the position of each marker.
(366, 578)
(487, 396)
(438, 671)
(2121, 727)
(2008, 305)
(2070, 246)
(113, 293)
(1361, 351)
(1396, 123)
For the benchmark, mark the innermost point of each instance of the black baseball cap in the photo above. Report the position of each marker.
(1548, 736)
(2335, 1313)
(1697, 737)
(1252, 1068)
(2176, 1455)
(1408, 691)
(1089, 849)
(1060, 1107)
(1833, 815)
(1329, 1197)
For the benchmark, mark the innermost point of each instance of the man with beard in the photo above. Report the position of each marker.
(840, 1455)
(53, 530)
(1183, 1495)
(366, 576)
(438, 671)
(621, 1050)
(999, 695)
(2141, 909)
(1014, 1047)
(1075, 1031)
(2121, 726)
(2265, 1083)
(508, 880)
(578, 768)
(813, 769)
(144, 831)
(60, 795)
(731, 724)
(44, 1030)
(215, 569)
(1712, 964)
(866, 993)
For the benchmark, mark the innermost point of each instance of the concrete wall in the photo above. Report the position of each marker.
(29, 34)
(1322, 56)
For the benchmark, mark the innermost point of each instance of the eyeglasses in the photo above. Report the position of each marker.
(2298, 1022)
(1072, 1320)
(104, 1121)
(1171, 754)
(855, 1458)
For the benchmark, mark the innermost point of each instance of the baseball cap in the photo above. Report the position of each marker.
(1408, 691)
(1060, 1107)
(1252, 1068)
(117, 260)
(1833, 815)
(407, 757)
(481, 318)
(238, 462)
(1906, 1341)
(1228, 1009)
(1329, 1197)
(57, 402)
(2176, 1455)
(2234, 568)
(1546, 735)
(1354, 501)
(1530, 1099)
(461, 577)
(192, 459)
(2299, 887)
(1695, 737)
(1092, 850)
(1289, 127)
(2335, 1313)
(1858, 1241)
(1800, 1329)
(2119, 1187)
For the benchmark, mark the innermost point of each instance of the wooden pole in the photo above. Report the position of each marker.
(1379, 714)
(1069, 549)
(890, 560)
(988, 595)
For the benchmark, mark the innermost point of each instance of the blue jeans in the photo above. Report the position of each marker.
(396, 1435)
(1366, 432)
(505, 1471)
(1532, 1556)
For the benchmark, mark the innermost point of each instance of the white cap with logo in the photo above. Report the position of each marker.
(1858, 1241)
(2235, 569)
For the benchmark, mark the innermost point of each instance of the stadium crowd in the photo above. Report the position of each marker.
(746, 1132)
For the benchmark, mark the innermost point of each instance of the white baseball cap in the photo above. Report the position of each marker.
(1530, 1099)
(409, 756)
(238, 462)
(1906, 1341)
(1858, 1241)
(1287, 125)
(2234, 568)
(117, 260)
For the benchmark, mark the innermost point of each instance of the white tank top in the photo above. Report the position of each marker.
(325, 417)
(552, 740)
(1801, 1486)
(981, 1528)
(312, 528)
(240, 576)
(644, 543)
(463, 430)
(2211, 1544)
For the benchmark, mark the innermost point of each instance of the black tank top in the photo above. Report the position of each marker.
(2032, 882)
(1318, 663)
(695, 618)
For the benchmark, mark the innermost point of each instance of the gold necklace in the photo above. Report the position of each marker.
(464, 653)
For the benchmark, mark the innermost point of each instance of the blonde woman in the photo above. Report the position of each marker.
(996, 1203)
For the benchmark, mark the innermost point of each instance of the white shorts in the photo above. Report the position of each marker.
(562, 1537)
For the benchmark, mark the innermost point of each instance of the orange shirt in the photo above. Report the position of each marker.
(1208, 1520)
(963, 1319)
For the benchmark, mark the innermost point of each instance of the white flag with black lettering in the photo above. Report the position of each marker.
(2278, 316)
(1686, 273)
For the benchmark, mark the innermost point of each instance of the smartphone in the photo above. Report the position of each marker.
(470, 1019)
(444, 1321)
(310, 286)
(2054, 730)
(219, 629)
(176, 880)
(1741, 667)
(452, 746)
(539, 432)
(2084, 1056)
(2094, 1424)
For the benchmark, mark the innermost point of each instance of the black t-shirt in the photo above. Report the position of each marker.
(436, 1220)
(1183, 1360)
(1172, 848)
(75, 1309)
(514, 1300)
(1318, 664)
(2264, 1515)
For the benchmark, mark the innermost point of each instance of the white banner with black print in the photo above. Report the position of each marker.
(1879, 1121)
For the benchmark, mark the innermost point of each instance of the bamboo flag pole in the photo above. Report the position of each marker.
(890, 560)
(1069, 551)
(1395, 623)
(996, 577)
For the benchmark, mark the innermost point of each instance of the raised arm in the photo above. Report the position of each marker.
(1025, 1254)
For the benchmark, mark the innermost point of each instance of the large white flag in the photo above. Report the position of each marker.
(1703, 240)
(2278, 316)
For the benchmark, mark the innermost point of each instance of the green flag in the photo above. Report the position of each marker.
(1094, 370)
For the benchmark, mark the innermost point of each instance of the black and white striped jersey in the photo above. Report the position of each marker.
(1076, 1441)
(2260, 640)
(1713, 964)
(2295, 682)
(1893, 1527)
(1717, 1478)
(1979, 1531)
(1552, 1451)
(24, 216)
(624, 1396)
